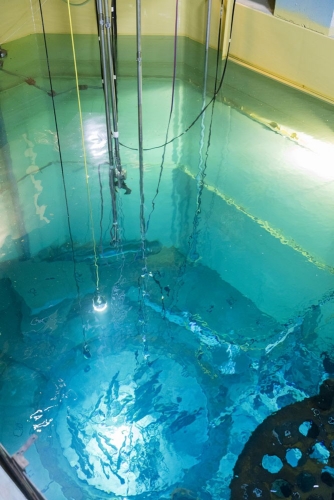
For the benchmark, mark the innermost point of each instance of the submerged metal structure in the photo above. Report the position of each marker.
(107, 32)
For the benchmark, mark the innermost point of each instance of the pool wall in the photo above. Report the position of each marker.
(306, 198)
(279, 49)
(239, 180)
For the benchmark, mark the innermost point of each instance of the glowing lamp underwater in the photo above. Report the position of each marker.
(99, 302)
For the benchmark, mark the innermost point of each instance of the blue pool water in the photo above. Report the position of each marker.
(222, 324)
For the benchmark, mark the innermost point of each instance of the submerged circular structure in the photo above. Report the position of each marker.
(290, 455)
(130, 428)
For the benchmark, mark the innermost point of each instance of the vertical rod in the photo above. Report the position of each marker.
(104, 75)
(112, 78)
(193, 254)
(114, 17)
(100, 18)
(114, 36)
(207, 41)
(140, 123)
(205, 79)
(227, 27)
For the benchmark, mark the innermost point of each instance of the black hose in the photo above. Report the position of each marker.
(170, 113)
(75, 273)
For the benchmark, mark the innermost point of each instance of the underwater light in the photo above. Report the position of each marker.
(99, 302)
(3, 53)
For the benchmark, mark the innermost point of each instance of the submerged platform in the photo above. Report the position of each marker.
(289, 454)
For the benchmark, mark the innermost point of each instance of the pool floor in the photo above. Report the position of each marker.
(135, 414)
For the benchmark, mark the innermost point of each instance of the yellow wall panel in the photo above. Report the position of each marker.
(194, 20)
(280, 49)
(290, 53)
(56, 18)
(158, 17)
(17, 19)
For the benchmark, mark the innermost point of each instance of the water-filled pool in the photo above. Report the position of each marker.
(224, 321)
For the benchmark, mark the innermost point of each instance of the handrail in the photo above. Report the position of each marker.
(14, 468)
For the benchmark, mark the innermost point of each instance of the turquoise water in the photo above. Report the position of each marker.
(223, 324)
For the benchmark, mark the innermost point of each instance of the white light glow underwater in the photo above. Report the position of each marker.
(99, 303)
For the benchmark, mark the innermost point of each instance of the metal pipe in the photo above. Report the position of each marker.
(193, 240)
(114, 37)
(227, 26)
(112, 78)
(207, 40)
(114, 17)
(205, 79)
(101, 24)
(100, 18)
(140, 122)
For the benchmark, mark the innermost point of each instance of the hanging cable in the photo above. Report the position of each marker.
(200, 176)
(202, 170)
(78, 4)
(142, 280)
(140, 126)
(101, 210)
(192, 241)
(99, 302)
(206, 106)
(75, 272)
(170, 112)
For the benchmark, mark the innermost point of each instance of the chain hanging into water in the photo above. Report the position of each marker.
(96, 267)
(170, 112)
(52, 93)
